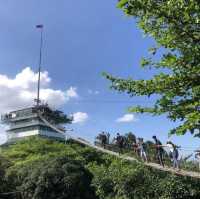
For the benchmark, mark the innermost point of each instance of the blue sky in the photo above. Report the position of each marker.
(82, 40)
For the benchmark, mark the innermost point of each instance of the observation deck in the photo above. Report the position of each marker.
(26, 122)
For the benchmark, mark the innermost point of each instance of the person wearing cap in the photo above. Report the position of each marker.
(159, 150)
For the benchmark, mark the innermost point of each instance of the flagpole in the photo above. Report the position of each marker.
(40, 62)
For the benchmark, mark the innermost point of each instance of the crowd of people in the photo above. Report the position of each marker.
(140, 148)
(159, 149)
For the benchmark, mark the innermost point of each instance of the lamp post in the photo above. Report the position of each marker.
(37, 100)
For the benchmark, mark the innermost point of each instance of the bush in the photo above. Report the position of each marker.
(4, 164)
(55, 178)
(40, 168)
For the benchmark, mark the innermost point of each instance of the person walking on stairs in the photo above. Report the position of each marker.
(159, 150)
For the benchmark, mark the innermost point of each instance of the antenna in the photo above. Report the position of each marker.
(37, 100)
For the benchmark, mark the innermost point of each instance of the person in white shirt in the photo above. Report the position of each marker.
(142, 149)
(174, 154)
(197, 156)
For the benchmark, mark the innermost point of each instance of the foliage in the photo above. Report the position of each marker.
(4, 164)
(175, 26)
(38, 164)
(42, 168)
(55, 116)
(178, 187)
(55, 178)
(130, 138)
(40, 149)
(122, 180)
(61, 118)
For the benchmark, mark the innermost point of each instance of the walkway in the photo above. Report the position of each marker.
(124, 157)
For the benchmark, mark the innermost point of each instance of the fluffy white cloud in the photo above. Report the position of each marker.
(26, 79)
(20, 91)
(80, 117)
(127, 118)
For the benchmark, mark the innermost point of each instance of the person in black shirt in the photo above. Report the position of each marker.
(103, 139)
(159, 150)
(120, 142)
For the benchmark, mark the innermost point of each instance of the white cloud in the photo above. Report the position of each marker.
(91, 92)
(72, 92)
(80, 117)
(127, 118)
(20, 91)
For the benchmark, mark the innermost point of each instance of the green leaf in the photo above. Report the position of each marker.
(122, 3)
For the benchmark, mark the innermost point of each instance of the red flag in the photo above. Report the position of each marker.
(39, 26)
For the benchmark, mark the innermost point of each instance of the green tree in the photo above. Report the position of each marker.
(54, 178)
(56, 170)
(175, 26)
(2, 173)
(130, 138)
(125, 180)
(174, 187)
(4, 164)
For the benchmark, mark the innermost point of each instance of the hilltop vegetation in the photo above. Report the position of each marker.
(42, 168)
